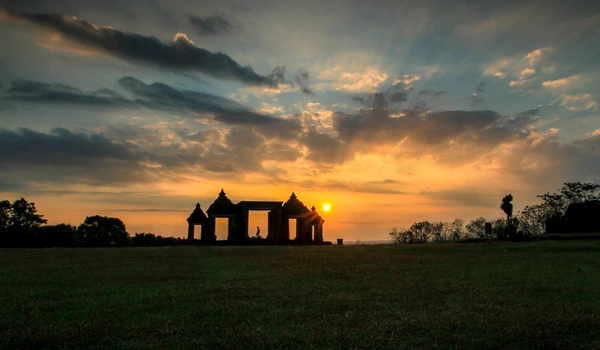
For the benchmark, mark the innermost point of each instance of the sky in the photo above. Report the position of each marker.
(391, 111)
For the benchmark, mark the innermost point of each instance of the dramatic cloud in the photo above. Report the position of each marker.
(407, 79)
(211, 25)
(63, 155)
(524, 77)
(497, 69)
(157, 96)
(147, 155)
(34, 91)
(180, 54)
(429, 131)
(534, 56)
(580, 102)
(367, 80)
(324, 148)
(559, 83)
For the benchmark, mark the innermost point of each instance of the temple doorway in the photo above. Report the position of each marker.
(258, 218)
(292, 228)
(222, 228)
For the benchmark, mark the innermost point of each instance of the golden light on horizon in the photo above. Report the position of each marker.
(326, 207)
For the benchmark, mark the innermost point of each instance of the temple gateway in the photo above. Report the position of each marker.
(309, 224)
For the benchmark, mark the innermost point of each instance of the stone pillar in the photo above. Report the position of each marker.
(243, 225)
(276, 227)
(285, 229)
(319, 233)
(231, 230)
(301, 230)
(210, 233)
(270, 225)
(190, 231)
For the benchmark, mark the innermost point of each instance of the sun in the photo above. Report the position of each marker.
(326, 207)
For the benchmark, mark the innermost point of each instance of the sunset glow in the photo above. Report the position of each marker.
(394, 113)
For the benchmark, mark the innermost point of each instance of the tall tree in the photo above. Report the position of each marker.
(24, 215)
(477, 227)
(18, 222)
(507, 206)
(4, 214)
(102, 231)
(578, 192)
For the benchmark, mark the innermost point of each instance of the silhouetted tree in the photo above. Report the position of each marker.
(101, 231)
(440, 231)
(553, 204)
(421, 231)
(532, 220)
(507, 206)
(578, 192)
(61, 235)
(457, 229)
(477, 227)
(499, 228)
(18, 222)
(4, 214)
(401, 235)
(144, 240)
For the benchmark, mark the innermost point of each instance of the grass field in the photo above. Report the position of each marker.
(500, 295)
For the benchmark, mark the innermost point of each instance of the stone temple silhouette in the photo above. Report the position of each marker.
(309, 224)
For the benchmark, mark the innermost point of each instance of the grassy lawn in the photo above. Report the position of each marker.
(495, 295)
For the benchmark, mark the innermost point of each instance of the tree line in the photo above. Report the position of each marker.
(528, 222)
(22, 227)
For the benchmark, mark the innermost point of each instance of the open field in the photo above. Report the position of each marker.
(495, 295)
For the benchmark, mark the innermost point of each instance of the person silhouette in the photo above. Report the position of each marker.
(257, 232)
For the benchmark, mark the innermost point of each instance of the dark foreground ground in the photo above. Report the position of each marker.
(500, 295)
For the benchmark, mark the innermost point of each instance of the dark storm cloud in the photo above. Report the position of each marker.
(164, 97)
(452, 137)
(61, 145)
(432, 93)
(324, 148)
(156, 96)
(544, 161)
(426, 130)
(28, 90)
(110, 158)
(180, 54)
(211, 25)
(302, 78)
(65, 155)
